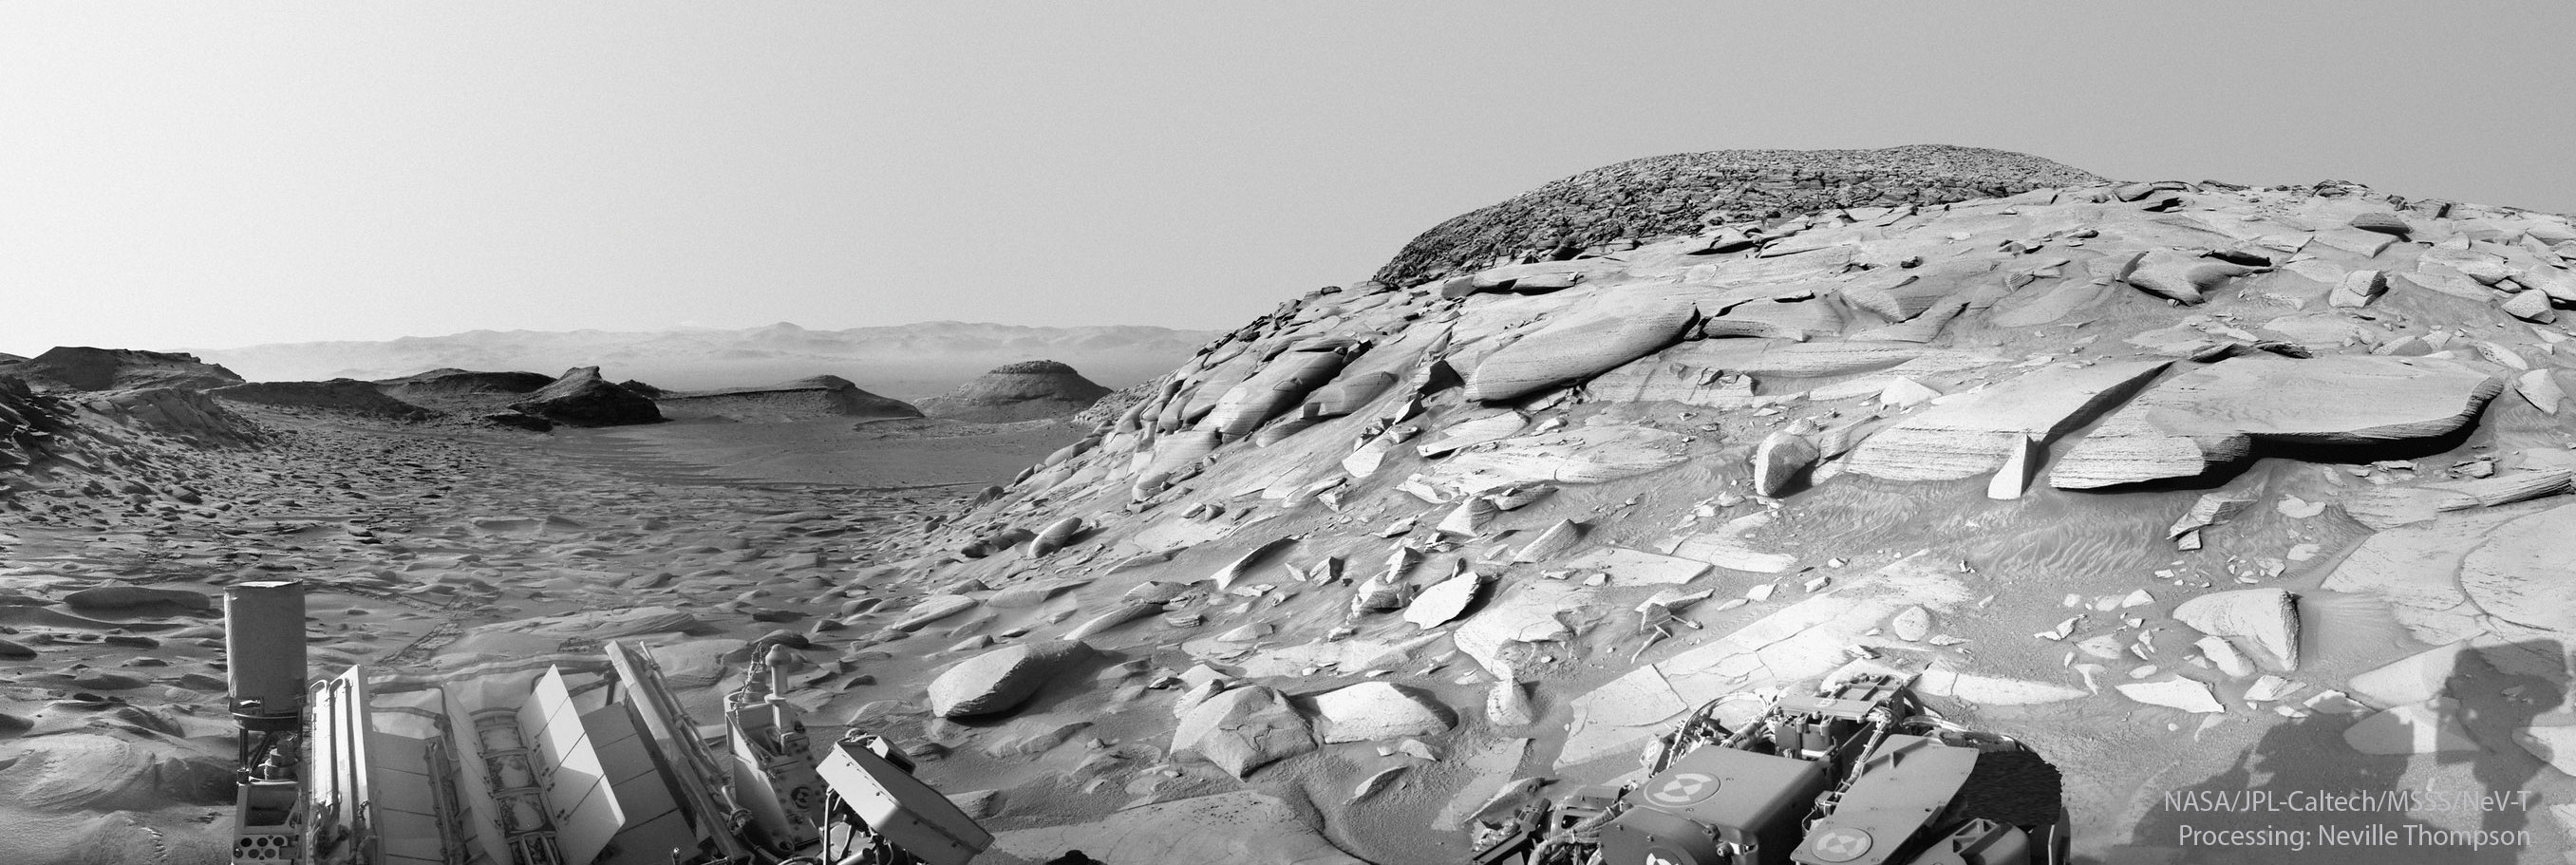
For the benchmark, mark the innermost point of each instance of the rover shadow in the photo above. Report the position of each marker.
(2305, 794)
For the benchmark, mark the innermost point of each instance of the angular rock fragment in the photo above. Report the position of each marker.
(2359, 288)
(2182, 277)
(1555, 540)
(1474, 431)
(2269, 617)
(1444, 600)
(2208, 510)
(2184, 694)
(1779, 461)
(1243, 729)
(2540, 388)
(2021, 464)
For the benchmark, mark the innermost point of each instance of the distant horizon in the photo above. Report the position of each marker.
(258, 174)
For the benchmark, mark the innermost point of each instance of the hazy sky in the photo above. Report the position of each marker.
(223, 174)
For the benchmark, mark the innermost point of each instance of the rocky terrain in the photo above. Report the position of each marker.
(2191, 487)
(903, 361)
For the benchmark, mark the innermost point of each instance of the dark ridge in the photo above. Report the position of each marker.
(1678, 194)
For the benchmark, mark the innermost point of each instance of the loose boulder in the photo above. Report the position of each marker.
(1002, 679)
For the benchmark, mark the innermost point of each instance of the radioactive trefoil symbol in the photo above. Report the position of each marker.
(1684, 788)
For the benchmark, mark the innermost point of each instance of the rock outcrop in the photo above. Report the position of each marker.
(99, 369)
(1028, 390)
(581, 398)
(814, 398)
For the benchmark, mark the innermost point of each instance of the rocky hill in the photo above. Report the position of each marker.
(1027, 390)
(104, 369)
(2156, 477)
(1683, 192)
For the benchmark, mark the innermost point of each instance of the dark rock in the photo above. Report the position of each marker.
(515, 420)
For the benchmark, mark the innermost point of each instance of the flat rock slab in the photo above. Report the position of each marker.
(1585, 455)
(1370, 711)
(1628, 567)
(2429, 727)
(1525, 613)
(1978, 433)
(1248, 827)
(1983, 690)
(2184, 694)
(2523, 574)
(2212, 417)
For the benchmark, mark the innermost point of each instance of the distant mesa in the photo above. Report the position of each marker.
(1028, 390)
(103, 369)
(464, 392)
(450, 380)
(582, 398)
(812, 398)
(1685, 192)
(343, 395)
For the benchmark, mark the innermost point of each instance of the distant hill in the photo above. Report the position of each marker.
(905, 362)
